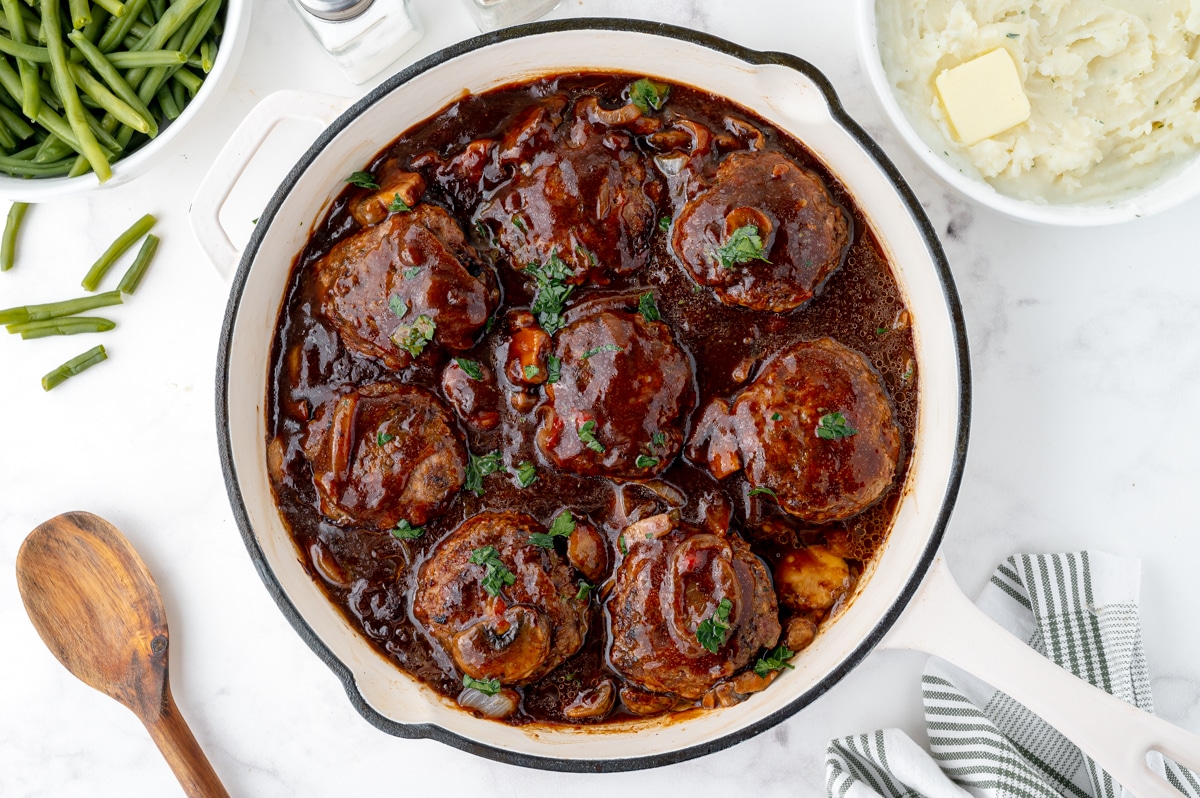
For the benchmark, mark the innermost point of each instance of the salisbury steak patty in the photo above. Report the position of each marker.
(617, 408)
(672, 590)
(803, 234)
(514, 630)
(385, 453)
(815, 430)
(392, 288)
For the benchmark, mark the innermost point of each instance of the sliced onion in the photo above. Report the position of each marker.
(670, 165)
(500, 705)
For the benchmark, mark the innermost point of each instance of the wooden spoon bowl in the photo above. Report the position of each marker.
(99, 612)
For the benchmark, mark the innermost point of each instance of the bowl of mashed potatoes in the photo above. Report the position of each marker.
(1070, 112)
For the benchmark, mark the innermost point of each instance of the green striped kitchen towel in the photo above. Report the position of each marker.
(1080, 610)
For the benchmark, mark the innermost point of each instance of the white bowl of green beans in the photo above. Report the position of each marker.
(93, 91)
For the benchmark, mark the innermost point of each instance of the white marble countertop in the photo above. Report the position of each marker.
(1086, 367)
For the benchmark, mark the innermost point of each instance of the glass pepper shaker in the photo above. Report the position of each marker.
(362, 36)
(493, 14)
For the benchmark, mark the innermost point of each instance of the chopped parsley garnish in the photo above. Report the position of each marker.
(414, 338)
(712, 631)
(881, 331)
(411, 272)
(496, 575)
(601, 348)
(563, 524)
(743, 246)
(553, 368)
(382, 438)
(398, 306)
(552, 290)
(483, 231)
(398, 205)
(648, 308)
(587, 434)
(649, 95)
(480, 467)
(362, 180)
(491, 322)
(526, 474)
(907, 375)
(621, 544)
(485, 686)
(833, 426)
(762, 492)
(1013, 35)
(775, 660)
(471, 367)
(664, 223)
(776, 416)
(587, 254)
(541, 540)
(643, 461)
(531, 371)
(585, 591)
(562, 527)
(517, 223)
(406, 531)
(658, 439)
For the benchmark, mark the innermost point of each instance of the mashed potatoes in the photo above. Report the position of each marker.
(1114, 87)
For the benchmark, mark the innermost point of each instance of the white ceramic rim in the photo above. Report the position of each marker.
(1163, 194)
(233, 42)
(787, 91)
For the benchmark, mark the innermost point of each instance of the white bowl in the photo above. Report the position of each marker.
(233, 41)
(1177, 187)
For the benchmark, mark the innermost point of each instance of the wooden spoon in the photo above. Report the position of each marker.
(98, 610)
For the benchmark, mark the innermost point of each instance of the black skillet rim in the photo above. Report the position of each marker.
(432, 731)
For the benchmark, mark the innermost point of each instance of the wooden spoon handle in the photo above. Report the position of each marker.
(173, 737)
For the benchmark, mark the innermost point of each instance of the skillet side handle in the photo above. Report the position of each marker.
(230, 164)
(942, 621)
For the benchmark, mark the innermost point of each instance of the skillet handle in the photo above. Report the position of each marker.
(942, 621)
(237, 154)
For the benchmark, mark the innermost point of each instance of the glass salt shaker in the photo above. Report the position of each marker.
(493, 14)
(362, 36)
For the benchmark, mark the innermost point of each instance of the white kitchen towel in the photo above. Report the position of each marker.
(1079, 610)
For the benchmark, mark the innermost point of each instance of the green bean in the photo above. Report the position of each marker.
(111, 103)
(208, 55)
(117, 84)
(189, 80)
(126, 59)
(47, 91)
(56, 310)
(76, 118)
(6, 138)
(170, 21)
(52, 149)
(74, 366)
(72, 325)
(133, 277)
(15, 123)
(100, 17)
(158, 7)
(8, 245)
(118, 29)
(116, 249)
(156, 76)
(80, 167)
(81, 13)
(166, 101)
(20, 168)
(202, 23)
(114, 7)
(25, 52)
(33, 103)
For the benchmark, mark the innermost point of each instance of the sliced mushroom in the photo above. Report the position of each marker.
(812, 578)
(588, 552)
(644, 703)
(509, 647)
(593, 703)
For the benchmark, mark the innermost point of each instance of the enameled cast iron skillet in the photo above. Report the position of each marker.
(797, 98)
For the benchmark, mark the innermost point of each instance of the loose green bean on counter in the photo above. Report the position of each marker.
(97, 80)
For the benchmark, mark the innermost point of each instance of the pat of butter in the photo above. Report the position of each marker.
(983, 96)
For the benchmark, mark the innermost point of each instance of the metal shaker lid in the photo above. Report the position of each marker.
(335, 10)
